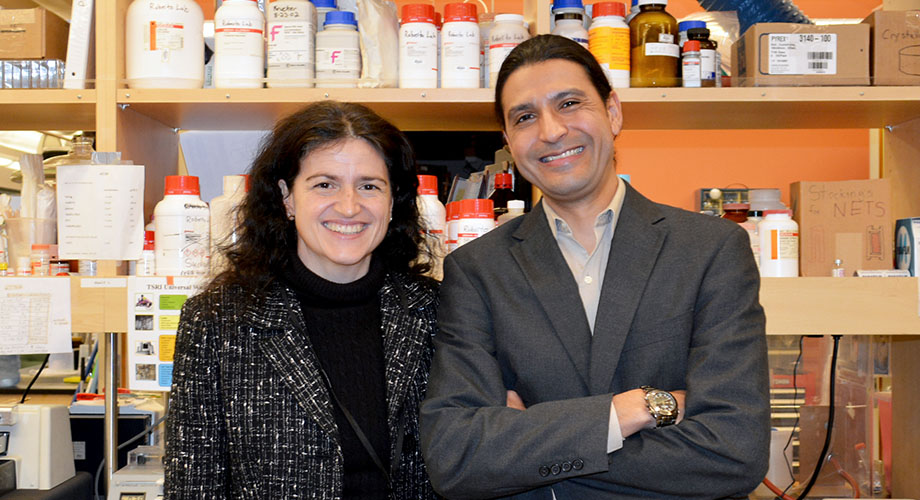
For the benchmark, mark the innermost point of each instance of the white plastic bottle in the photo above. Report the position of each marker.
(486, 21)
(476, 219)
(569, 16)
(291, 32)
(515, 209)
(338, 51)
(690, 72)
(453, 225)
(182, 229)
(164, 44)
(608, 40)
(418, 48)
(779, 245)
(224, 219)
(239, 46)
(750, 225)
(433, 216)
(323, 7)
(507, 33)
(147, 264)
(460, 47)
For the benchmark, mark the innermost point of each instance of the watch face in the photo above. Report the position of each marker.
(662, 402)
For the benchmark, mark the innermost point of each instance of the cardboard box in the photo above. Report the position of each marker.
(907, 244)
(788, 54)
(846, 220)
(32, 34)
(894, 45)
(900, 4)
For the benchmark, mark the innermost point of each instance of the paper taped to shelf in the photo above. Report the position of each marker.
(36, 315)
(100, 211)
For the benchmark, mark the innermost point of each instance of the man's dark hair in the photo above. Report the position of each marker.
(543, 48)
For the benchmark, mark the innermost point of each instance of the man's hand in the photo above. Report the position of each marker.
(515, 401)
(633, 414)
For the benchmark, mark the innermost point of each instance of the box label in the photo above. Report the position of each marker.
(802, 54)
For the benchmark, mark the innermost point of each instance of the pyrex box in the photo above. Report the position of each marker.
(907, 244)
(789, 54)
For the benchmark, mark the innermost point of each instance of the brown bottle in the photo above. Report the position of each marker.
(654, 53)
(707, 55)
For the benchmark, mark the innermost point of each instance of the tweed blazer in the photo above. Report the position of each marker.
(249, 415)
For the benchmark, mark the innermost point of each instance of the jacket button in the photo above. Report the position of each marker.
(577, 464)
(566, 466)
(544, 471)
(556, 469)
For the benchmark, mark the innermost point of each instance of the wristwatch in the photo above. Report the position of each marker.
(662, 405)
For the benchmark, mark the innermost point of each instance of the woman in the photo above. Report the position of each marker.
(299, 371)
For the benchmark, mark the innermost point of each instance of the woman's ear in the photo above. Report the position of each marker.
(286, 198)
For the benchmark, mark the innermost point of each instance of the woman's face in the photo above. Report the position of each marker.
(341, 202)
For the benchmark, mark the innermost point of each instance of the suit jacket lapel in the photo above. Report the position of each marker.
(633, 252)
(545, 269)
(287, 346)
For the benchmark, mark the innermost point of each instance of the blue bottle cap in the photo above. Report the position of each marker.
(340, 17)
(686, 25)
(328, 4)
(567, 4)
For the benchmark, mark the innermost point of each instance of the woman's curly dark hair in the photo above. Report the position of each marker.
(267, 240)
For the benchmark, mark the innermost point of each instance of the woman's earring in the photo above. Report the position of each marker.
(290, 216)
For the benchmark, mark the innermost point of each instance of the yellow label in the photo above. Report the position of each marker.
(169, 322)
(167, 347)
(610, 46)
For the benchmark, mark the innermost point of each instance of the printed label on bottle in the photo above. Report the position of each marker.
(691, 72)
(289, 44)
(665, 38)
(338, 63)
(784, 244)
(281, 11)
(418, 51)
(163, 36)
(662, 49)
(610, 46)
(708, 64)
(460, 53)
(802, 54)
(238, 37)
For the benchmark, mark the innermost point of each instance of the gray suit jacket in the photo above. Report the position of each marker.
(678, 309)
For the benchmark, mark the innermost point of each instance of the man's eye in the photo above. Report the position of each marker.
(524, 117)
(569, 103)
(370, 187)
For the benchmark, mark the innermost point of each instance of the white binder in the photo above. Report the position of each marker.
(80, 64)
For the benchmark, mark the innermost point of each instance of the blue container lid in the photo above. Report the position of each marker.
(686, 25)
(567, 4)
(329, 4)
(635, 2)
(340, 17)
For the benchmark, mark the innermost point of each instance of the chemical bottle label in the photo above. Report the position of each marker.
(290, 44)
(239, 37)
(691, 72)
(707, 64)
(460, 51)
(802, 54)
(610, 46)
(662, 49)
(784, 244)
(419, 51)
(338, 62)
(164, 36)
(666, 38)
(283, 11)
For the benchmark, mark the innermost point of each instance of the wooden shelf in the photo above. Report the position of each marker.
(472, 109)
(48, 109)
(848, 306)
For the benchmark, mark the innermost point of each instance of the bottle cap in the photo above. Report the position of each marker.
(768, 213)
(418, 13)
(567, 4)
(460, 12)
(692, 46)
(509, 18)
(428, 184)
(608, 9)
(182, 184)
(453, 210)
(515, 204)
(686, 25)
(700, 32)
(477, 209)
(328, 4)
(438, 20)
(652, 2)
(736, 206)
(40, 246)
(149, 237)
(503, 180)
(340, 17)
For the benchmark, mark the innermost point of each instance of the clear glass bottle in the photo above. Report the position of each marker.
(654, 53)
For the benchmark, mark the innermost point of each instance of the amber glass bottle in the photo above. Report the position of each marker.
(654, 53)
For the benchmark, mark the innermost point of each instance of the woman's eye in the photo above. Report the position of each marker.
(323, 185)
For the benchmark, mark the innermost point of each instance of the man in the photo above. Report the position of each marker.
(552, 324)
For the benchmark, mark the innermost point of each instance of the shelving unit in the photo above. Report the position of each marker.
(144, 126)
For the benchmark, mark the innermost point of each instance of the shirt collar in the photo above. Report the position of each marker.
(608, 215)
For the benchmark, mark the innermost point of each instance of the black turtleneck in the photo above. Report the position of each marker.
(343, 323)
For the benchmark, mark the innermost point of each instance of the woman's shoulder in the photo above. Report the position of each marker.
(418, 290)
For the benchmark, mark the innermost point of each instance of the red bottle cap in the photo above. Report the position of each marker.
(427, 184)
(438, 21)
(692, 46)
(503, 180)
(182, 184)
(608, 9)
(40, 246)
(736, 206)
(459, 12)
(248, 183)
(418, 13)
(477, 209)
(149, 237)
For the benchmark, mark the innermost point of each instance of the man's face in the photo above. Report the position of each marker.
(560, 131)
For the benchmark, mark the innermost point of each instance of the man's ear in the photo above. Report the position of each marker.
(616, 113)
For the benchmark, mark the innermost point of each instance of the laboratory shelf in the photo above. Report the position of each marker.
(47, 109)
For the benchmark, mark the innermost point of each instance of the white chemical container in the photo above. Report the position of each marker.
(291, 32)
(460, 46)
(239, 45)
(338, 51)
(507, 33)
(779, 244)
(418, 48)
(164, 44)
(182, 247)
